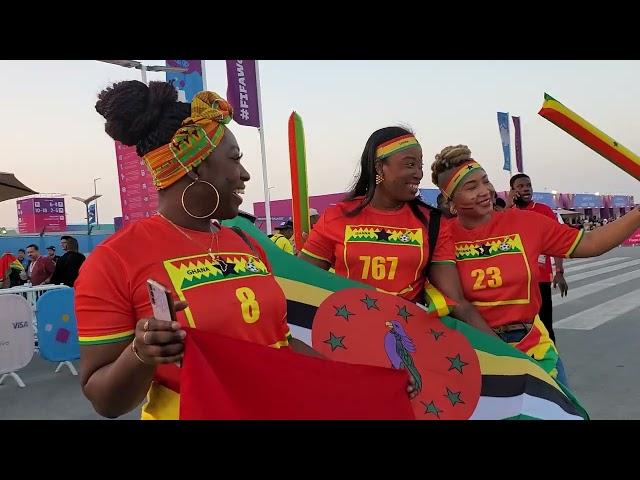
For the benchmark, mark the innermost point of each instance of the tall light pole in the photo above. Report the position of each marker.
(144, 68)
(86, 202)
(95, 194)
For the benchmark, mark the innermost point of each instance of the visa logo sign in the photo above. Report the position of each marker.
(17, 325)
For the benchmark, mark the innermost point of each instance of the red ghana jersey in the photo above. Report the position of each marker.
(385, 249)
(236, 296)
(498, 262)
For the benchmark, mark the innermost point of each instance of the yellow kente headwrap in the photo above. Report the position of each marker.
(193, 142)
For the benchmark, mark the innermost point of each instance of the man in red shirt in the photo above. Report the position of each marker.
(522, 197)
(41, 267)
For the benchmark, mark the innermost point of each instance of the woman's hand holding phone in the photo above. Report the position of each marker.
(159, 339)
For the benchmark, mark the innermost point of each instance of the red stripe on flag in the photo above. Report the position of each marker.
(531, 340)
(224, 378)
(592, 141)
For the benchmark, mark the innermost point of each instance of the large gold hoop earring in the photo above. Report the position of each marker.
(197, 180)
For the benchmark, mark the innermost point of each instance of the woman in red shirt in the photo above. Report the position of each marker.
(497, 252)
(379, 234)
(224, 282)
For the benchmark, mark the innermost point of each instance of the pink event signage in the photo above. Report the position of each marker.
(39, 214)
(138, 196)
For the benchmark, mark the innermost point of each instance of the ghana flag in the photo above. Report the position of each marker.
(7, 262)
(462, 372)
(585, 132)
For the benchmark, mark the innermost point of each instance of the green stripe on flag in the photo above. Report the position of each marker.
(301, 157)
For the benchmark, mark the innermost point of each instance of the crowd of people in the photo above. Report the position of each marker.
(491, 258)
(592, 222)
(32, 268)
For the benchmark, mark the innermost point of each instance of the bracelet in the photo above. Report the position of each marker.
(135, 351)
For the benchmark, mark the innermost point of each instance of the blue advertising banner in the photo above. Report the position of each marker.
(57, 328)
(190, 82)
(587, 200)
(544, 197)
(503, 125)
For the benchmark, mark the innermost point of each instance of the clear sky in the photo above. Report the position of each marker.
(54, 141)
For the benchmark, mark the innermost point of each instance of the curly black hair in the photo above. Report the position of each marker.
(141, 115)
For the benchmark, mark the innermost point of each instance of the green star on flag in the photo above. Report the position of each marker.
(457, 363)
(335, 341)
(454, 397)
(432, 408)
(343, 312)
(404, 313)
(436, 334)
(370, 302)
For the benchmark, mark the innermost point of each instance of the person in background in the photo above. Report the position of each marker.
(68, 266)
(522, 197)
(499, 204)
(313, 216)
(23, 258)
(41, 268)
(51, 253)
(282, 237)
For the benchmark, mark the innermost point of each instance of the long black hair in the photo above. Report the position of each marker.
(72, 243)
(365, 185)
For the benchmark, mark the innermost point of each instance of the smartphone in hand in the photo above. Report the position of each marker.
(162, 304)
(517, 199)
(161, 301)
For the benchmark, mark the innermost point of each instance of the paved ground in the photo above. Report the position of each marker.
(598, 332)
(48, 395)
